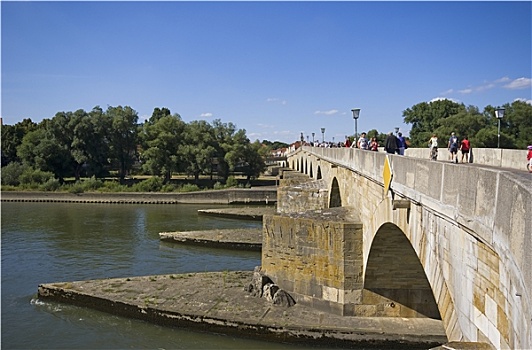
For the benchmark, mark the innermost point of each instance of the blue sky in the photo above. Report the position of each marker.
(275, 69)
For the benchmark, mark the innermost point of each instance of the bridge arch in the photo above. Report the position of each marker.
(335, 199)
(318, 173)
(395, 276)
(311, 174)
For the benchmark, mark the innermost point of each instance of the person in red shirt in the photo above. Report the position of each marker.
(464, 148)
(347, 142)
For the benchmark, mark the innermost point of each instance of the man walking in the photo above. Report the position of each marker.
(402, 144)
(390, 144)
(452, 146)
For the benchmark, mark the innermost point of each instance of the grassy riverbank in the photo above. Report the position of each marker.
(178, 184)
(258, 195)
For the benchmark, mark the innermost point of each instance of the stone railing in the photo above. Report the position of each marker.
(498, 157)
(504, 158)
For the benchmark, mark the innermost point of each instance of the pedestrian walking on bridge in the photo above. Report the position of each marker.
(390, 144)
(464, 148)
(452, 146)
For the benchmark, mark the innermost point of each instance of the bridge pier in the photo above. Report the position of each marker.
(313, 248)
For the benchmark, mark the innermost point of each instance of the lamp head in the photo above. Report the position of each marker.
(499, 113)
(356, 113)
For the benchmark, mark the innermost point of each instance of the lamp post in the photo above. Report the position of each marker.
(322, 135)
(313, 138)
(499, 114)
(396, 130)
(302, 139)
(356, 114)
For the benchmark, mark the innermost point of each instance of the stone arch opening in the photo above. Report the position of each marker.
(335, 199)
(301, 165)
(395, 281)
(318, 173)
(311, 173)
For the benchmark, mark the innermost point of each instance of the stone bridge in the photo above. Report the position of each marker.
(445, 241)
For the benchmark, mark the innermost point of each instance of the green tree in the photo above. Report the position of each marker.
(12, 136)
(236, 150)
(41, 151)
(516, 126)
(161, 138)
(198, 149)
(275, 144)
(123, 137)
(96, 142)
(426, 118)
(68, 130)
(254, 160)
(223, 134)
(159, 113)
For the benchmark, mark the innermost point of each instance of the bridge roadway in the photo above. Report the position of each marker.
(449, 241)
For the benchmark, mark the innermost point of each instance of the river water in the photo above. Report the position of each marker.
(55, 242)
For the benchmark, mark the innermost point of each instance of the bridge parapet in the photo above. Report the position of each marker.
(497, 157)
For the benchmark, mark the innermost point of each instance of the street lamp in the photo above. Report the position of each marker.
(499, 114)
(302, 139)
(313, 138)
(322, 135)
(356, 114)
(396, 130)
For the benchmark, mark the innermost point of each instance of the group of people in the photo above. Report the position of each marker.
(397, 145)
(392, 144)
(453, 145)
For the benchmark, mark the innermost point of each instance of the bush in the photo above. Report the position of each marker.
(11, 173)
(50, 185)
(231, 182)
(168, 188)
(218, 186)
(153, 184)
(188, 188)
(113, 186)
(33, 177)
(92, 184)
(76, 188)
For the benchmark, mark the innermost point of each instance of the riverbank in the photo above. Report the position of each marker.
(255, 195)
(218, 302)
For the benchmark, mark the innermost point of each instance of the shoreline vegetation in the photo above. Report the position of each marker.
(263, 195)
(138, 184)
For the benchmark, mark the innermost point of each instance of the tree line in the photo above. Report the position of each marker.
(445, 116)
(93, 144)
